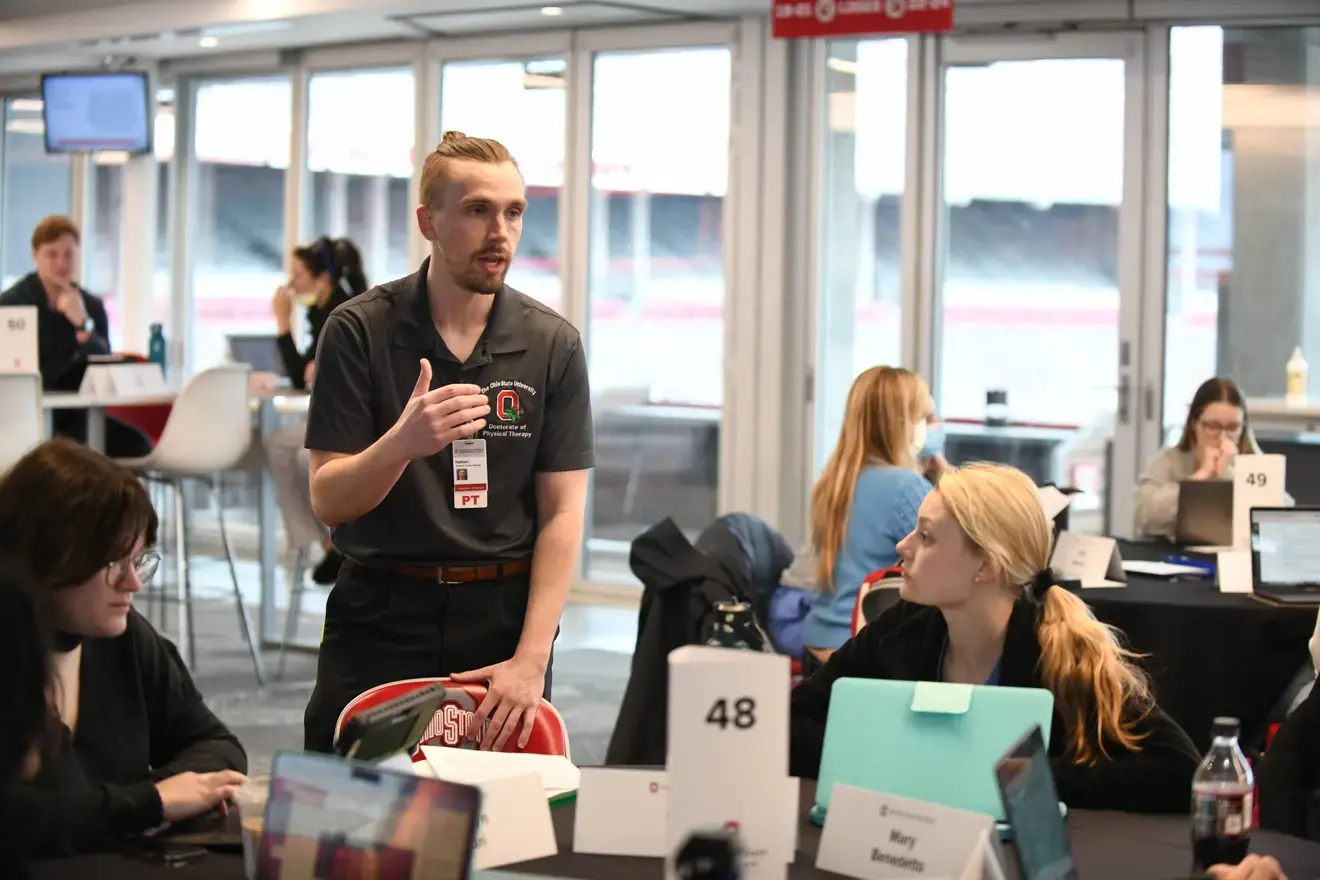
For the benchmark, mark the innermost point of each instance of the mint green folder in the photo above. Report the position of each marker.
(928, 741)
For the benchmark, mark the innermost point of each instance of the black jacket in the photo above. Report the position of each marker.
(680, 586)
(1290, 772)
(906, 642)
(58, 348)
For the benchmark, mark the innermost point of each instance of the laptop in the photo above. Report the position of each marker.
(1205, 513)
(929, 741)
(343, 820)
(258, 350)
(1034, 812)
(1285, 554)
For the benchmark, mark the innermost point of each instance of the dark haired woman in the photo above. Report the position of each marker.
(1215, 432)
(324, 275)
(134, 745)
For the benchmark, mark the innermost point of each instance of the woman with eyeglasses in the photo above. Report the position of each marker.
(133, 744)
(1215, 432)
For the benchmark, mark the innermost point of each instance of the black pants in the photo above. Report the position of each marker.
(381, 626)
(122, 440)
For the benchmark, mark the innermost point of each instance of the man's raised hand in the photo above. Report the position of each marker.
(432, 420)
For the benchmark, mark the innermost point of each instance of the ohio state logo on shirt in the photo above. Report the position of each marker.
(509, 404)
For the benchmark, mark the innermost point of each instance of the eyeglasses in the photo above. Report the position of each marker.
(1231, 428)
(143, 566)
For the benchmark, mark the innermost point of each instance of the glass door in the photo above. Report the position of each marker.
(1036, 260)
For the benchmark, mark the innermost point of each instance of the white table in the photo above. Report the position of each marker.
(96, 405)
(1273, 414)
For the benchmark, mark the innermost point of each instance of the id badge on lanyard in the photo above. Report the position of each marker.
(471, 486)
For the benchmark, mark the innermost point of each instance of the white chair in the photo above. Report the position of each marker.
(25, 424)
(208, 432)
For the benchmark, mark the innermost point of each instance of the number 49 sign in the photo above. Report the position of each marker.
(1257, 482)
(728, 712)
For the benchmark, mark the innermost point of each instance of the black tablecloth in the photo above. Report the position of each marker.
(1210, 653)
(1105, 845)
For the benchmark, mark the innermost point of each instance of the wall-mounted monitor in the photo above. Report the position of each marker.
(97, 112)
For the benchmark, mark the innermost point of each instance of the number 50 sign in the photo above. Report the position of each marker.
(728, 712)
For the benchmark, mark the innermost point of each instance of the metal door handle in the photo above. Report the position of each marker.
(1124, 393)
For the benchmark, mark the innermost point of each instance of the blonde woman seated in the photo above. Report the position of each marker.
(979, 607)
(1215, 432)
(867, 497)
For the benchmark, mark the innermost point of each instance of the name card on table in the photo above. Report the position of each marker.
(1257, 482)
(123, 380)
(873, 836)
(18, 340)
(1092, 559)
(621, 812)
(1233, 571)
(763, 812)
(728, 755)
(515, 823)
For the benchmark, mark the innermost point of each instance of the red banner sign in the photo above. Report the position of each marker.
(841, 18)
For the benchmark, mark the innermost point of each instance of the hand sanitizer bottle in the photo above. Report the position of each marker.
(1296, 379)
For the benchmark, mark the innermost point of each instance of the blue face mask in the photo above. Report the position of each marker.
(934, 444)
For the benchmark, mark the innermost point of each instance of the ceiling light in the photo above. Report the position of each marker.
(552, 10)
(208, 42)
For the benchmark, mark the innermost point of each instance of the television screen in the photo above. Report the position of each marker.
(92, 112)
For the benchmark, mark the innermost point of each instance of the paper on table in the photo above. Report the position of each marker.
(1052, 501)
(1162, 569)
(472, 767)
(1234, 569)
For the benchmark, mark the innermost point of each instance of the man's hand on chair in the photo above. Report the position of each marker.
(513, 694)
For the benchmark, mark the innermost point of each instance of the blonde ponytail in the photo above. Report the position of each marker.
(1098, 689)
(1099, 692)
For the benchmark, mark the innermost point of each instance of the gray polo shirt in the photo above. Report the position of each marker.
(528, 359)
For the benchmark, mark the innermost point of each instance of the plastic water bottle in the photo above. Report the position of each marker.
(1223, 791)
(156, 347)
(733, 621)
(1297, 379)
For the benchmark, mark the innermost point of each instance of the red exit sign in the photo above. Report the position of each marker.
(851, 18)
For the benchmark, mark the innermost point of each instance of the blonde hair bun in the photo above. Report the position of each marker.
(451, 137)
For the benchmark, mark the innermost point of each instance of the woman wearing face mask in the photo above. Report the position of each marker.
(324, 274)
(867, 497)
(979, 607)
(1216, 431)
(134, 745)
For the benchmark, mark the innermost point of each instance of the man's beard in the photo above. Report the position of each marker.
(475, 279)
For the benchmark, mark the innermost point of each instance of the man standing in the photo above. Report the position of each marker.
(450, 437)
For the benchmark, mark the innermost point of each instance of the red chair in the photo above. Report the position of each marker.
(878, 591)
(449, 726)
(150, 419)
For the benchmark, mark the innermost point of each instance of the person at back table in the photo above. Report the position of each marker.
(867, 497)
(327, 273)
(979, 606)
(1215, 432)
(133, 745)
(71, 326)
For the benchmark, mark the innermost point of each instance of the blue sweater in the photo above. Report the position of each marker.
(884, 512)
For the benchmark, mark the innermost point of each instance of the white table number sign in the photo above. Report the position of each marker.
(728, 755)
(515, 824)
(1257, 482)
(621, 812)
(873, 836)
(1092, 559)
(18, 340)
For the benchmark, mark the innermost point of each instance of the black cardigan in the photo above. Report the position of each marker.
(906, 642)
(58, 348)
(295, 362)
(1290, 771)
(140, 720)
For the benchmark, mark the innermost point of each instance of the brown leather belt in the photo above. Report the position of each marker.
(461, 574)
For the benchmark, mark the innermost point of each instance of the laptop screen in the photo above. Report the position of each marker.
(260, 352)
(1032, 805)
(1286, 544)
(341, 820)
